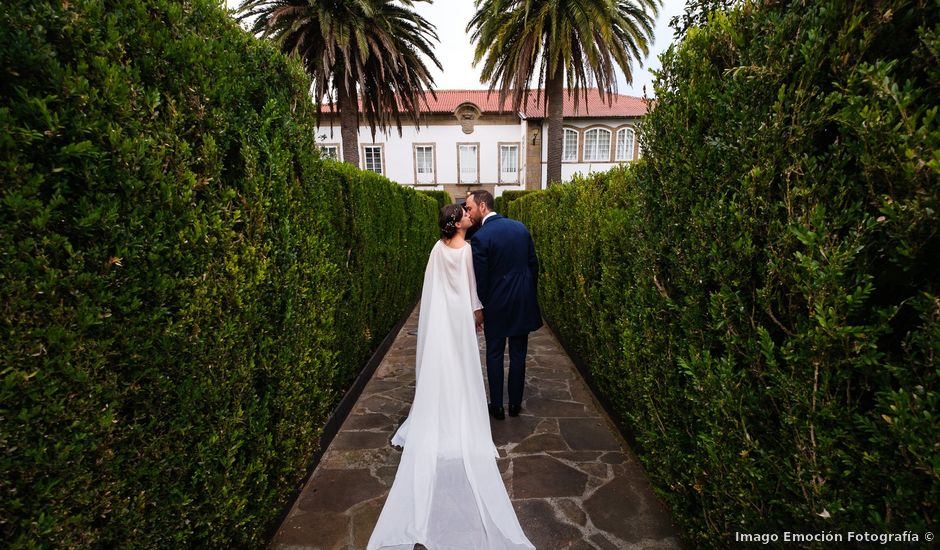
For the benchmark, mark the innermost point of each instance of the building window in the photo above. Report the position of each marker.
(468, 158)
(424, 164)
(329, 151)
(424, 159)
(625, 138)
(597, 145)
(508, 163)
(570, 148)
(372, 158)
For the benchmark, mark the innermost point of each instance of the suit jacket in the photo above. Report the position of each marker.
(507, 272)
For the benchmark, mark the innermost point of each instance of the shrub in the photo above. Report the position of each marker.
(179, 273)
(442, 197)
(501, 202)
(388, 235)
(757, 299)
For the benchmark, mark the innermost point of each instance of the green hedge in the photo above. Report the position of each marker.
(758, 299)
(442, 197)
(187, 289)
(501, 202)
(390, 230)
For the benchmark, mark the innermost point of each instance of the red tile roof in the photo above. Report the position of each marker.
(596, 105)
(488, 102)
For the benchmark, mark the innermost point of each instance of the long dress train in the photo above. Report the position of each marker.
(448, 493)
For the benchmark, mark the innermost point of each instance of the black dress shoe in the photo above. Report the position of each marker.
(514, 410)
(497, 412)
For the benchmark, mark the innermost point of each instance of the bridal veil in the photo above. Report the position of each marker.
(448, 493)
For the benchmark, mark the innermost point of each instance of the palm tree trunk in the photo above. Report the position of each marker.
(554, 93)
(347, 101)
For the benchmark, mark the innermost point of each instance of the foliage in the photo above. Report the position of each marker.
(365, 56)
(180, 272)
(389, 232)
(501, 202)
(442, 197)
(583, 39)
(758, 297)
(696, 14)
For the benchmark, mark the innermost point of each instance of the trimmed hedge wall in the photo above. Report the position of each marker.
(501, 202)
(388, 231)
(442, 197)
(758, 298)
(187, 289)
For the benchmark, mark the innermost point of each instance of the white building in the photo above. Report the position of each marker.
(466, 141)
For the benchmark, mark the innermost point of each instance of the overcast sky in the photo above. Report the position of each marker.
(455, 50)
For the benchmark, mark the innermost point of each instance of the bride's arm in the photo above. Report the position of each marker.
(474, 298)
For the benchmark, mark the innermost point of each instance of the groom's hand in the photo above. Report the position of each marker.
(478, 318)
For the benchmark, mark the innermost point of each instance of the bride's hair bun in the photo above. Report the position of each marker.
(447, 219)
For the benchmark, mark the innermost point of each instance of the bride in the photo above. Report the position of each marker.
(448, 493)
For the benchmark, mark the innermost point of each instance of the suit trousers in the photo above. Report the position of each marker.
(518, 346)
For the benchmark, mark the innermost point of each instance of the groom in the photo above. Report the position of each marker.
(506, 270)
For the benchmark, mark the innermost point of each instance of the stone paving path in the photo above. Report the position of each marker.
(572, 479)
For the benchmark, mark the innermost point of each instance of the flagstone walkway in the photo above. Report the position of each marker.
(572, 479)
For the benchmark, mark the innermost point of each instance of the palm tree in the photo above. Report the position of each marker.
(558, 40)
(364, 56)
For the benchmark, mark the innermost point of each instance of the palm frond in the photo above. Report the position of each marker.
(371, 48)
(520, 40)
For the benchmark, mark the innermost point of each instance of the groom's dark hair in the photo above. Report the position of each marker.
(482, 196)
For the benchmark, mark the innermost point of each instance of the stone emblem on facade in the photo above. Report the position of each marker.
(467, 114)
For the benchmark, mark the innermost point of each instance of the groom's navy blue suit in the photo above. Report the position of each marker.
(506, 270)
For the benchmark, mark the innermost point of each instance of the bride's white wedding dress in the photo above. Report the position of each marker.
(448, 493)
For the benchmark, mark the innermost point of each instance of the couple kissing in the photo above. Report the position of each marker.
(448, 491)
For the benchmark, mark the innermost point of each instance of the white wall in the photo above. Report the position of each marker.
(399, 161)
(399, 151)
